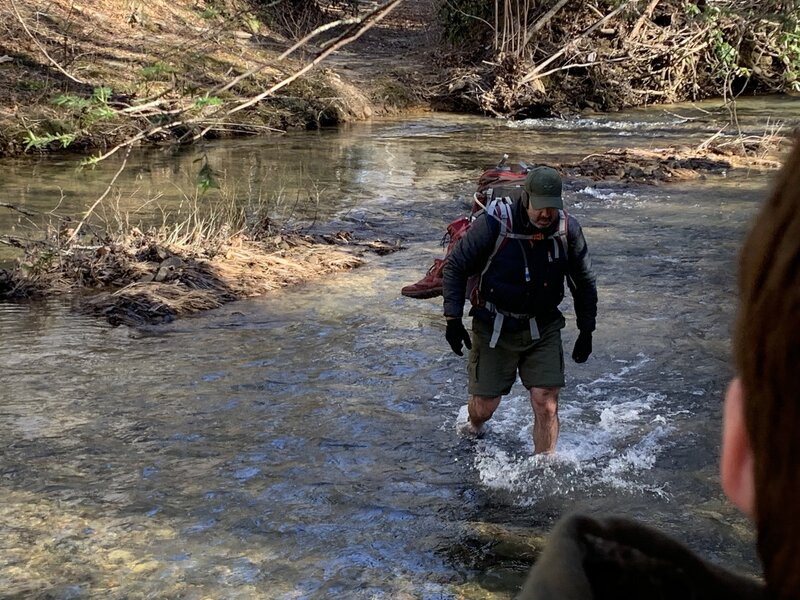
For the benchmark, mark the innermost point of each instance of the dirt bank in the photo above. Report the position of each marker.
(92, 74)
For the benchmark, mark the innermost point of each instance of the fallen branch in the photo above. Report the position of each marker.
(586, 64)
(139, 136)
(645, 15)
(352, 34)
(13, 242)
(286, 54)
(535, 72)
(347, 37)
(100, 199)
(543, 21)
(24, 211)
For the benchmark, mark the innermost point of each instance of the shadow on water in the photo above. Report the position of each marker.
(303, 445)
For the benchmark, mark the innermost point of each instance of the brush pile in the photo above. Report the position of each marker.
(533, 58)
(712, 157)
(143, 280)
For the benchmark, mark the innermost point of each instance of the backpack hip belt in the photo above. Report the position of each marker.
(499, 316)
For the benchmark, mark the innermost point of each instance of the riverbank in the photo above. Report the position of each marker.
(150, 278)
(91, 76)
(97, 78)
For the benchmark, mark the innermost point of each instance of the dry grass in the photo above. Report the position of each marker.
(143, 279)
(202, 255)
(183, 284)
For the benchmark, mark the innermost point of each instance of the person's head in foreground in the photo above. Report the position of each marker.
(761, 435)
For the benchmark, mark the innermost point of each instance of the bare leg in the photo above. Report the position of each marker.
(544, 402)
(481, 409)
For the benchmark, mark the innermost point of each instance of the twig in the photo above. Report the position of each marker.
(141, 107)
(299, 44)
(13, 242)
(586, 64)
(24, 211)
(39, 45)
(645, 15)
(100, 199)
(707, 142)
(683, 118)
(246, 126)
(139, 136)
(348, 36)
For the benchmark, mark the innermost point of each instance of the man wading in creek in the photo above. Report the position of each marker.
(516, 256)
(593, 559)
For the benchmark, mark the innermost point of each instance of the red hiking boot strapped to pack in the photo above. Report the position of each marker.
(497, 181)
(430, 286)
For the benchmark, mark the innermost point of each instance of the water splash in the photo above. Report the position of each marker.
(611, 433)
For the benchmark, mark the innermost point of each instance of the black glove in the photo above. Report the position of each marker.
(456, 334)
(583, 347)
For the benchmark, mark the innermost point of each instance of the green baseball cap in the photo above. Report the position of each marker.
(543, 185)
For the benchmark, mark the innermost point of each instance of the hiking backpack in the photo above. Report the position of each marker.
(502, 180)
(497, 189)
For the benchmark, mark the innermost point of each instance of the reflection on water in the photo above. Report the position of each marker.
(303, 445)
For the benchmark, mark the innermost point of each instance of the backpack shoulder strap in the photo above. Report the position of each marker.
(500, 210)
(563, 226)
(561, 233)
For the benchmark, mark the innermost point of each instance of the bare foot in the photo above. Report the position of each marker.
(471, 431)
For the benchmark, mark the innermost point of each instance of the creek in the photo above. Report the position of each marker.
(303, 444)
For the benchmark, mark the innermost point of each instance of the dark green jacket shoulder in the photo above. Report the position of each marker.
(619, 559)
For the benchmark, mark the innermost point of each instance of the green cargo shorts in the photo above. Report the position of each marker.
(492, 371)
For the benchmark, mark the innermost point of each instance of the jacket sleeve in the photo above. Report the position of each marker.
(467, 258)
(580, 277)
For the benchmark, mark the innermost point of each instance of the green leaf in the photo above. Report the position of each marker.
(206, 178)
(207, 101)
(102, 94)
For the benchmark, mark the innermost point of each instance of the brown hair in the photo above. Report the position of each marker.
(767, 355)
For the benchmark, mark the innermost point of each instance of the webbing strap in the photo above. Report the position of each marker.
(561, 232)
(534, 329)
(498, 328)
(503, 206)
(499, 317)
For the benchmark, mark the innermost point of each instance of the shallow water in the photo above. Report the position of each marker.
(303, 444)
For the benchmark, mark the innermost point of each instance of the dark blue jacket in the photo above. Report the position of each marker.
(536, 292)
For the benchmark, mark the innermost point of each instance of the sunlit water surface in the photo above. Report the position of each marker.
(304, 445)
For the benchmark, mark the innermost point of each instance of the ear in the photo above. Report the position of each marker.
(736, 465)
